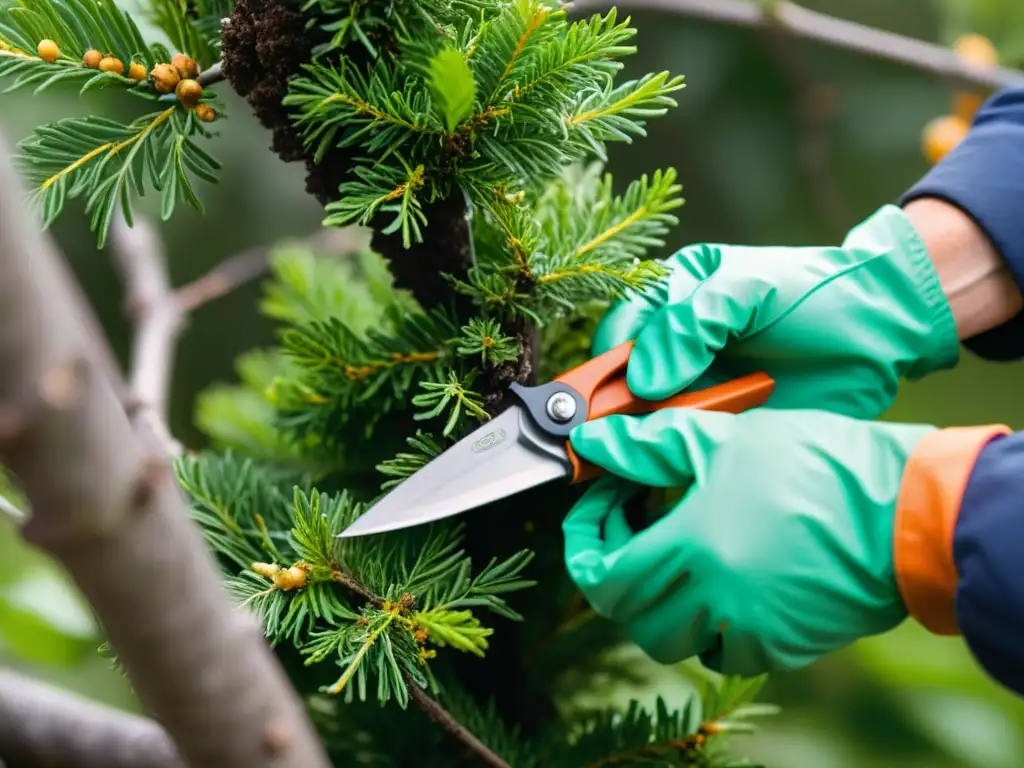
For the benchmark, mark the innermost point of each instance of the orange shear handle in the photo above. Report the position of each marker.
(601, 381)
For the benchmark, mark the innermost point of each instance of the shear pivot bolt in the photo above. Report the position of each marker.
(561, 407)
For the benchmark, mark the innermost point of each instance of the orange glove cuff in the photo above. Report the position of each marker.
(926, 513)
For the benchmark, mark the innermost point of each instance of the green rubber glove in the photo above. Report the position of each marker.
(836, 327)
(780, 551)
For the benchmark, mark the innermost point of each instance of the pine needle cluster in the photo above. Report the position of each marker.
(104, 161)
(505, 107)
(492, 101)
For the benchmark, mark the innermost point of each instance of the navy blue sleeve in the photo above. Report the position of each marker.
(984, 177)
(988, 549)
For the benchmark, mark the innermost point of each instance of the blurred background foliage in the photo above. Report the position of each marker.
(752, 173)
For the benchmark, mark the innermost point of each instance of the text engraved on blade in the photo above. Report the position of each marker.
(488, 441)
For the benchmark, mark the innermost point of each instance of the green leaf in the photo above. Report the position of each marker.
(43, 621)
(454, 89)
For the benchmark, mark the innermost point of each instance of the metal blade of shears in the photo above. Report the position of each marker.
(506, 455)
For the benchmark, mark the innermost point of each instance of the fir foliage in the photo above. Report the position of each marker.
(377, 605)
(690, 736)
(506, 106)
(104, 161)
(191, 26)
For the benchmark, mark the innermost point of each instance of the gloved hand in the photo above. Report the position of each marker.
(780, 551)
(836, 327)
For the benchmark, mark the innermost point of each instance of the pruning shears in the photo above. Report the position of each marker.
(528, 444)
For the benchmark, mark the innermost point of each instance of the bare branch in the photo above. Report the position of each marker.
(84, 315)
(158, 319)
(822, 28)
(210, 75)
(115, 521)
(160, 313)
(253, 263)
(42, 726)
(230, 274)
(442, 717)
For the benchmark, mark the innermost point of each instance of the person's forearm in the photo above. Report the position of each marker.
(980, 289)
(968, 208)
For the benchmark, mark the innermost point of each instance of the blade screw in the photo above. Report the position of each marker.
(561, 407)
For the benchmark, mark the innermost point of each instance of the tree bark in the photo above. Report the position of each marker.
(115, 519)
(44, 727)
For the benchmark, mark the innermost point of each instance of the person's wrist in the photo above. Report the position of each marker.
(916, 316)
(979, 288)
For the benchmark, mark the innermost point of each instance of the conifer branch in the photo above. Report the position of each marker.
(115, 521)
(453, 727)
(430, 706)
(43, 726)
(797, 21)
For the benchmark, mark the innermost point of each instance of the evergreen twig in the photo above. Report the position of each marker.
(453, 727)
(433, 709)
(158, 319)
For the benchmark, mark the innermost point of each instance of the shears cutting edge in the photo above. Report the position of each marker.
(528, 444)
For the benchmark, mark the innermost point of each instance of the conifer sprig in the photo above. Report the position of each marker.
(391, 189)
(690, 736)
(453, 396)
(348, 23)
(345, 375)
(592, 45)
(46, 42)
(617, 113)
(378, 110)
(507, 97)
(108, 162)
(483, 337)
(76, 26)
(574, 242)
(192, 26)
(378, 603)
